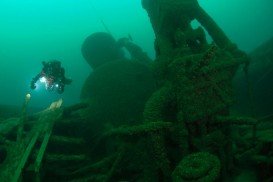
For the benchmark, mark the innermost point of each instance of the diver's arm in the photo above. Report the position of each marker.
(34, 80)
(135, 51)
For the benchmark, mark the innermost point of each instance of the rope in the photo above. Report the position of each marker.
(100, 18)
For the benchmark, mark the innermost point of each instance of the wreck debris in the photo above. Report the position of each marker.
(187, 133)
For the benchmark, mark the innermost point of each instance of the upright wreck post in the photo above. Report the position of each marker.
(23, 117)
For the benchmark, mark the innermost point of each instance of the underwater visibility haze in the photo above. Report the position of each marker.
(136, 90)
(35, 31)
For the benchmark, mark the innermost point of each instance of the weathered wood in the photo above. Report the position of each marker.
(95, 167)
(60, 157)
(8, 125)
(262, 159)
(21, 151)
(49, 117)
(138, 129)
(25, 157)
(20, 130)
(236, 120)
(69, 110)
(268, 118)
(68, 140)
(41, 152)
(115, 164)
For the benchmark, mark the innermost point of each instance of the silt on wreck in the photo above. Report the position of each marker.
(186, 131)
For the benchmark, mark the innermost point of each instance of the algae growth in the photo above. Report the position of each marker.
(141, 120)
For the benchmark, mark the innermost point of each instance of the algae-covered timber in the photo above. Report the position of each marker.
(187, 132)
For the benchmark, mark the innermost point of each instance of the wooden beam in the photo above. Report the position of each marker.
(41, 152)
(25, 157)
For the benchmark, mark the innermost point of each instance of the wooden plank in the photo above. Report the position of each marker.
(13, 170)
(51, 117)
(61, 157)
(41, 152)
(25, 157)
(68, 140)
(8, 125)
(31, 145)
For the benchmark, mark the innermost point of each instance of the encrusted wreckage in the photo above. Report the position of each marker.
(187, 132)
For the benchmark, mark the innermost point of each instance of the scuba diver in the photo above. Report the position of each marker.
(53, 75)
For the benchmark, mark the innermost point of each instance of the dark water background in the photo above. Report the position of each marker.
(32, 31)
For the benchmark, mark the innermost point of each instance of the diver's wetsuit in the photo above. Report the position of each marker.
(54, 75)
